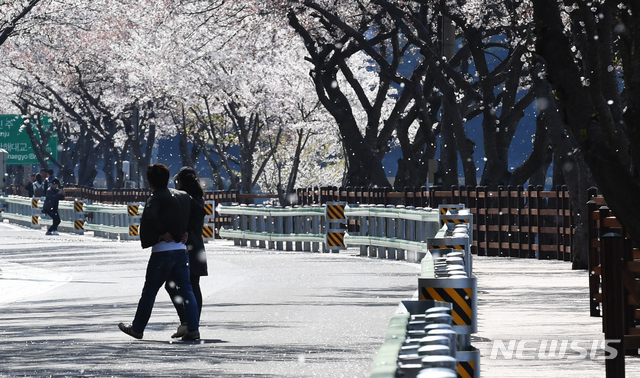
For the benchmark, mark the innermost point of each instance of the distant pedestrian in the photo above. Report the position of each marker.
(187, 180)
(29, 185)
(39, 190)
(50, 206)
(44, 172)
(163, 227)
(52, 177)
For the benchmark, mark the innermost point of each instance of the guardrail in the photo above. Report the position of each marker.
(393, 232)
(433, 334)
(108, 221)
(112, 221)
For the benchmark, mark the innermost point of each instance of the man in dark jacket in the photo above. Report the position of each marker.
(50, 206)
(163, 227)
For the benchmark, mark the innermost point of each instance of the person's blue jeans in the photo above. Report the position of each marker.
(161, 266)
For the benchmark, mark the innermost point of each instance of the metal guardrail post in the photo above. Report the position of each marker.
(390, 232)
(373, 231)
(316, 228)
(133, 221)
(334, 231)
(271, 228)
(253, 226)
(399, 232)
(235, 222)
(288, 230)
(297, 228)
(35, 213)
(261, 226)
(381, 232)
(79, 216)
(364, 231)
(306, 228)
(208, 230)
(279, 226)
(243, 226)
(410, 234)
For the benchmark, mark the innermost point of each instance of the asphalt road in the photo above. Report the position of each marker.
(266, 314)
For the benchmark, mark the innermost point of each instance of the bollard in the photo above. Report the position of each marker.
(334, 231)
(79, 217)
(35, 213)
(133, 221)
(208, 229)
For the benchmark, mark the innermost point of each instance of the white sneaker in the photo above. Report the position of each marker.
(54, 233)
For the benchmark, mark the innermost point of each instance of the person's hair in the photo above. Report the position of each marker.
(50, 171)
(188, 182)
(158, 175)
(39, 178)
(43, 170)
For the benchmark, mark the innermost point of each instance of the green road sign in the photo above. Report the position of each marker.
(17, 143)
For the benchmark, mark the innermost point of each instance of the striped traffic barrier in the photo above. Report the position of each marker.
(35, 212)
(79, 216)
(133, 221)
(208, 230)
(335, 220)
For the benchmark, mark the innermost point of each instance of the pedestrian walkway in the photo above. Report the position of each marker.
(266, 314)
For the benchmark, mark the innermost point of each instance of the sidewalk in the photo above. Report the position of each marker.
(266, 314)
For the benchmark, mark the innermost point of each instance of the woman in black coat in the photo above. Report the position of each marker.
(187, 180)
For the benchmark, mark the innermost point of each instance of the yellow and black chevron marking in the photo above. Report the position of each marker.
(34, 219)
(443, 210)
(132, 210)
(34, 203)
(208, 207)
(455, 221)
(335, 239)
(133, 230)
(466, 369)
(78, 207)
(335, 212)
(78, 225)
(460, 298)
(453, 246)
(207, 232)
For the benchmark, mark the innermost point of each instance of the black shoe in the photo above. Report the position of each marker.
(129, 331)
(182, 330)
(190, 335)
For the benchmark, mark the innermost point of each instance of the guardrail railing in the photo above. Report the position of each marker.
(434, 333)
(105, 220)
(393, 232)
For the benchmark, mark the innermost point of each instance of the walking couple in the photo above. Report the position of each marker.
(171, 224)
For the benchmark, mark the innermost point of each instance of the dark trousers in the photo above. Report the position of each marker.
(164, 266)
(56, 220)
(176, 299)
